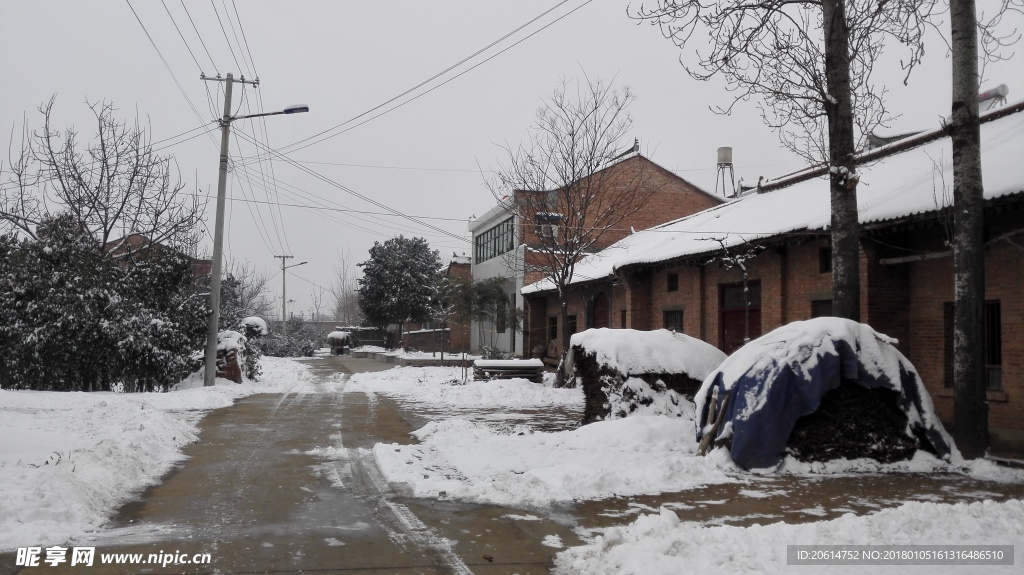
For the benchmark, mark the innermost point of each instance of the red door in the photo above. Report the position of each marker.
(600, 312)
(734, 326)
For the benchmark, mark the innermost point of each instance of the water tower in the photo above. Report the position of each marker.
(727, 187)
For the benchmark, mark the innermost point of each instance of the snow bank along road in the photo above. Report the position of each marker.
(277, 484)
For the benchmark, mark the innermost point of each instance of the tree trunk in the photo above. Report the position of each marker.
(561, 378)
(843, 178)
(970, 414)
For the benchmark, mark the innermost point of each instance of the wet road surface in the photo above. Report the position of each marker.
(278, 484)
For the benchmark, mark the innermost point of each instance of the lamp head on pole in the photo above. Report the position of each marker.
(296, 109)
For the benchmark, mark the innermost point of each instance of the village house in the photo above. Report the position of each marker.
(136, 243)
(504, 245)
(434, 337)
(683, 275)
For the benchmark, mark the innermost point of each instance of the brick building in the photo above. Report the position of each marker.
(505, 244)
(433, 337)
(137, 243)
(674, 275)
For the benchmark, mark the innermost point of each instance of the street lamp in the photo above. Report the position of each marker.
(284, 302)
(210, 372)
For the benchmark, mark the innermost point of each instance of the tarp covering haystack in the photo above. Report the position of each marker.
(625, 371)
(819, 390)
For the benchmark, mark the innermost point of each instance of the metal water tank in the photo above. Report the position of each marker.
(725, 155)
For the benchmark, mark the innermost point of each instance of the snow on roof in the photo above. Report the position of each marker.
(632, 352)
(894, 186)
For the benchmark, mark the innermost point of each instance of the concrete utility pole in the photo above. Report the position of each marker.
(284, 301)
(210, 363)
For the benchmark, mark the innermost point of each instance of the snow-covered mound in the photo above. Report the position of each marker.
(498, 464)
(662, 545)
(782, 376)
(633, 352)
(628, 372)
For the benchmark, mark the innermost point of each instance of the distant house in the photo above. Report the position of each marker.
(504, 246)
(135, 243)
(433, 336)
(672, 276)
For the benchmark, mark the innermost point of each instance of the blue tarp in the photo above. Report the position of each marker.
(781, 386)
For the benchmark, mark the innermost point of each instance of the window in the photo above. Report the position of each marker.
(622, 318)
(572, 324)
(547, 225)
(821, 308)
(825, 260)
(552, 328)
(673, 282)
(673, 320)
(494, 241)
(992, 340)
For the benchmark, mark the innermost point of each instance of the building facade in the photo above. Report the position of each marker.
(509, 246)
(684, 275)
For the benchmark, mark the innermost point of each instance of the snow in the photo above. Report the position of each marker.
(662, 545)
(899, 185)
(633, 352)
(70, 460)
(257, 324)
(508, 363)
(482, 463)
(339, 335)
(798, 348)
(228, 340)
(443, 387)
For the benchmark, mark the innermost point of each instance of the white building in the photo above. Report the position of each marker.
(495, 254)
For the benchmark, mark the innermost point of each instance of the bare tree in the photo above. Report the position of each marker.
(809, 62)
(114, 186)
(558, 186)
(253, 289)
(343, 290)
(970, 413)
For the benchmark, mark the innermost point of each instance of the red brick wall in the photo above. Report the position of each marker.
(931, 286)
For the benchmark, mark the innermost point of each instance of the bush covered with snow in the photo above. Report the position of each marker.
(624, 371)
(76, 318)
(756, 399)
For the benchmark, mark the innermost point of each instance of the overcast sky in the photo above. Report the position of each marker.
(345, 58)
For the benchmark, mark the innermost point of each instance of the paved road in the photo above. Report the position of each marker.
(258, 495)
(253, 496)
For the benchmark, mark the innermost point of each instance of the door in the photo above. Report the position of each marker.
(600, 313)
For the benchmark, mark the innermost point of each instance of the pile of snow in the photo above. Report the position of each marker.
(229, 340)
(633, 352)
(477, 462)
(662, 545)
(70, 460)
(782, 376)
(627, 372)
(443, 387)
(255, 325)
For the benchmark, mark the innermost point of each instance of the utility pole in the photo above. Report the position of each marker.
(284, 300)
(210, 371)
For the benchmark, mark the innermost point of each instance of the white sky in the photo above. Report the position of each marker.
(344, 58)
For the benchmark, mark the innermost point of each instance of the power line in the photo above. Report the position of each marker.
(226, 39)
(348, 190)
(434, 77)
(244, 39)
(164, 60)
(330, 209)
(187, 47)
(187, 13)
(322, 207)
